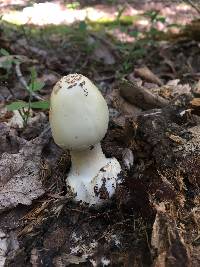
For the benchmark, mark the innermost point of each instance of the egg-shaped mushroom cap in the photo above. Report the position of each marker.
(78, 113)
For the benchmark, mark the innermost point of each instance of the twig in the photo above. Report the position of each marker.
(101, 79)
(140, 96)
(23, 81)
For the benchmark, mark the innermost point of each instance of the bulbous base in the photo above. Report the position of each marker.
(96, 189)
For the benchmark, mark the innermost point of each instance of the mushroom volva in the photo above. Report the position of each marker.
(79, 119)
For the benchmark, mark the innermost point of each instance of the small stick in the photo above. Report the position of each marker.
(140, 96)
(23, 81)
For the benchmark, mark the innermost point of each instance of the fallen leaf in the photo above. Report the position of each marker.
(9, 140)
(21, 44)
(19, 174)
(16, 121)
(140, 96)
(195, 102)
(49, 79)
(101, 52)
(122, 106)
(177, 139)
(8, 246)
(173, 89)
(146, 74)
(5, 93)
(173, 82)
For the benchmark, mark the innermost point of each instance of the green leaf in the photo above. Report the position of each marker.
(134, 33)
(17, 105)
(73, 5)
(36, 86)
(161, 19)
(4, 52)
(33, 74)
(40, 104)
(16, 61)
(153, 32)
(7, 64)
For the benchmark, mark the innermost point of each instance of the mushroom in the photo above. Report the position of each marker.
(79, 119)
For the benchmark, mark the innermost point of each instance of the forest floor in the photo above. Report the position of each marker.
(145, 60)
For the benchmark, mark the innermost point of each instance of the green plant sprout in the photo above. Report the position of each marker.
(23, 107)
(154, 16)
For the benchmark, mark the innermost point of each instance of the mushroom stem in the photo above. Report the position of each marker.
(87, 163)
(93, 177)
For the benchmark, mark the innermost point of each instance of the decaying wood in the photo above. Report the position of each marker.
(140, 96)
(168, 243)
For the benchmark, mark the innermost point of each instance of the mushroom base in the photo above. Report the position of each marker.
(93, 178)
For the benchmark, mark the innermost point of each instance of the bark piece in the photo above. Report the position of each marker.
(167, 241)
(140, 96)
(67, 260)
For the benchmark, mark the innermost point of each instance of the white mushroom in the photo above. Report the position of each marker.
(79, 120)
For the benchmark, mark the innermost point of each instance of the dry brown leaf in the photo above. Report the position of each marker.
(146, 74)
(16, 121)
(21, 45)
(5, 93)
(173, 89)
(101, 52)
(122, 107)
(8, 246)
(140, 96)
(9, 140)
(19, 174)
(173, 83)
(177, 139)
(49, 79)
(195, 103)
(120, 104)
